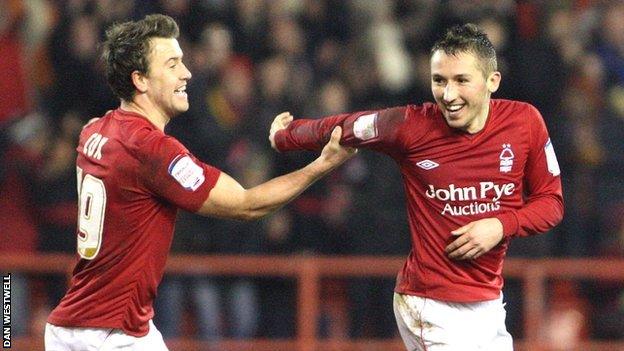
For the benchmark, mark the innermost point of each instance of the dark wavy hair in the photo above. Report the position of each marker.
(127, 47)
(468, 38)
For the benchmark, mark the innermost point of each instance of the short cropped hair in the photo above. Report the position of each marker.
(127, 47)
(468, 38)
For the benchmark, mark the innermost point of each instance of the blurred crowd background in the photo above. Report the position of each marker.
(252, 59)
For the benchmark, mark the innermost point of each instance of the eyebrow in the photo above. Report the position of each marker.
(462, 75)
(174, 58)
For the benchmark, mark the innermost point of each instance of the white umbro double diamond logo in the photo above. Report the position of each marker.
(427, 164)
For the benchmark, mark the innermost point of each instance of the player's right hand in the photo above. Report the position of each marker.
(279, 123)
(333, 152)
(475, 238)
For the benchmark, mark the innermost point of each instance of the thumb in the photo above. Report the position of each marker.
(462, 230)
(336, 134)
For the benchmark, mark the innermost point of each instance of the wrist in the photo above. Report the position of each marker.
(319, 167)
(509, 221)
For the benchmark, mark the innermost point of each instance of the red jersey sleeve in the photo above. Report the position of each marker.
(171, 172)
(543, 207)
(378, 130)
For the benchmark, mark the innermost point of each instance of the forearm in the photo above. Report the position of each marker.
(266, 198)
(375, 130)
(228, 199)
(307, 134)
(539, 215)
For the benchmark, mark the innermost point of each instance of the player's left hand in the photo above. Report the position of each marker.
(280, 122)
(475, 238)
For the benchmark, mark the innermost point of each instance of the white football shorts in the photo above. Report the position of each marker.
(432, 325)
(101, 339)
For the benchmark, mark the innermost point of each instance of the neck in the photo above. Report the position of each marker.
(152, 114)
(480, 121)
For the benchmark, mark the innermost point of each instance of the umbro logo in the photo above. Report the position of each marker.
(427, 164)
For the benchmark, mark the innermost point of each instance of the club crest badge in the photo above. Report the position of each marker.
(506, 159)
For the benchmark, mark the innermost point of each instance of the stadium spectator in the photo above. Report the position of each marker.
(132, 179)
(20, 153)
(14, 99)
(611, 43)
(89, 93)
(55, 187)
(467, 162)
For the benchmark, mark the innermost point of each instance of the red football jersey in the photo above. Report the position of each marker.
(131, 180)
(508, 170)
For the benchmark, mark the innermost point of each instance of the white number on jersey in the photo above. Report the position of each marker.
(91, 209)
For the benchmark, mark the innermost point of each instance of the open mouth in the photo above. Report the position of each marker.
(454, 110)
(181, 91)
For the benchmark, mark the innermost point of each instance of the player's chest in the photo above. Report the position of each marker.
(497, 159)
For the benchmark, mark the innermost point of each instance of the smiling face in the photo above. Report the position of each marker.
(166, 79)
(462, 89)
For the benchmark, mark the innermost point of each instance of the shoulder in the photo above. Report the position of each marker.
(94, 124)
(147, 142)
(517, 112)
(396, 113)
(514, 107)
(416, 121)
(524, 119)
(427, 109)
(425, 115)
(140, 138)
(157, 153)
(92, 128)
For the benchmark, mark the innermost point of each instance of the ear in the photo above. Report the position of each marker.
(493, 81)
(140, 81)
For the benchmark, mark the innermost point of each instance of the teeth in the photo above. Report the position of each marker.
(454, 108)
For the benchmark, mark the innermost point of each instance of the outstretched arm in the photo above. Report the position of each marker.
(228, 199)
(380, 130)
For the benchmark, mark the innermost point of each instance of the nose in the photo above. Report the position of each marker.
(186, 74)
(450, 93)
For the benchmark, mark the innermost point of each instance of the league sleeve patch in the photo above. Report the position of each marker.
(551, 159)
(186, 172)
(365, 127)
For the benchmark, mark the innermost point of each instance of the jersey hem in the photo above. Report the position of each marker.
(490, 295)
(59, 322)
